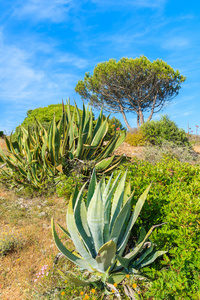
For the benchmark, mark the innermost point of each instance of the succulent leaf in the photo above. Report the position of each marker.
(91, 188)
(76, 235)
(117, 200)
(151, 258)
(117, 277)
(95, 216)
(120, 220)
(133, 219)
(105, 256)
(74, 258)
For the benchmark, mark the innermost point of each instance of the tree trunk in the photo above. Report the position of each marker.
(150, 116)
(141, 117)
(152, 109)
(125, 119)
(138, 121)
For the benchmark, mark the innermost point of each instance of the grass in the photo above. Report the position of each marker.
(19, 268)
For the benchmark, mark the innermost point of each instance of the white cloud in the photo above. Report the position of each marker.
(16, 74)
(73, 60)
(187, 113)
(136, 3)
(53, 10)
(148, 3)
(26, 84)
(176, 42)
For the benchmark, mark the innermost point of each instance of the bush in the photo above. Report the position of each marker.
(1, 134)
(113, 125)
(156, 132)
(135, 138)
(154, 154)
(174, 199)
(10, 241)
(44, 115)
(66, 184)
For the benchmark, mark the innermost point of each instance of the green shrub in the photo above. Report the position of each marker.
(114, 125)
(135, 138)
(44, 115)
(154, 154)
(65, 184)
(9, 242)
(1, 134)
(173, 198)
(156, 132)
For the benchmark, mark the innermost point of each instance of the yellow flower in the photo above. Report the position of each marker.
(134, 285)
(113, 291)
(115, 284)
(87, 297)
(127, 275)
(81, 293)
(62, 293)
(65, 281)
(93, 291)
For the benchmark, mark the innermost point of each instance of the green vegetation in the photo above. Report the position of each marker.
(173, 198)
(44, 115)
(40, 154)
(10, 241)
(113, 125)
(156, 132)
(135, 138)
(100, 227)
(131, 85)
(105, 220)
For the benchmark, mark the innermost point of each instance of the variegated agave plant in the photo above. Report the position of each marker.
(41, 153)
(100, 227)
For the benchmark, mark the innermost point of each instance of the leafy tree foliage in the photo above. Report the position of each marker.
(131, 85)
(1, 133)
(44, 115)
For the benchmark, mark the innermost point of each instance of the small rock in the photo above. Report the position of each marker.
(24, 206)
(42, 214)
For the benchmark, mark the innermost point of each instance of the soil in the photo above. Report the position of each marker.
(129, 151)
(196, 149)
(3, 144)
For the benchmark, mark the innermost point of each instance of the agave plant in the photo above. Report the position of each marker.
(100, 227)
(40, 153)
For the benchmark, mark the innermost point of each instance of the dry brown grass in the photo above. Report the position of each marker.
(18, 269)
(3, 144)
(129, 151)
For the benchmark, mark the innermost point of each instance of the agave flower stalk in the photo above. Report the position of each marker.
(100, 227)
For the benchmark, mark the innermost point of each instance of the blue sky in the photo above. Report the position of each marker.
(46, 46)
